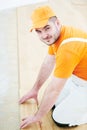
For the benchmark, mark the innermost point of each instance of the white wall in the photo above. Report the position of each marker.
(9, 111)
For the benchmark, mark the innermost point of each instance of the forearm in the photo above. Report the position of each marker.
(50, 96)
(45, 71)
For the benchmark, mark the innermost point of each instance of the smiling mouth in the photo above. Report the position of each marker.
(48, 40)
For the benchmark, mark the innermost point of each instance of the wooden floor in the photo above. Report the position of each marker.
(47, 122)
(30, 107)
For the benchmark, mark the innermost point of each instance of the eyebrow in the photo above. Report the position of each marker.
(46, 26)
(43, 28)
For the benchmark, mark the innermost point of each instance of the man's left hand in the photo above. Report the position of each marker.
(29, 120)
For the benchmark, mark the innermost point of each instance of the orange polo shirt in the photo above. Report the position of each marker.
(71, 58)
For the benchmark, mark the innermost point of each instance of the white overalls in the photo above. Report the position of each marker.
(71, 105)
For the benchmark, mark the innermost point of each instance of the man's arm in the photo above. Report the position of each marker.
(46, 69)
(50, 96)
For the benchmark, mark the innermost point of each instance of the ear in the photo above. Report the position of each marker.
(57, 22)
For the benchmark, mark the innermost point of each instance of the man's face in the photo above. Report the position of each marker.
(49, 33)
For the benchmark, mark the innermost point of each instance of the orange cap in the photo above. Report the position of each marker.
(40, 16)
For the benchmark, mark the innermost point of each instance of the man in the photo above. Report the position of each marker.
(67, 55)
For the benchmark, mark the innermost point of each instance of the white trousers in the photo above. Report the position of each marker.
(71, 105)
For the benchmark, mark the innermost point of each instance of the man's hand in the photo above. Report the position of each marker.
(31, 94)
(29, 120)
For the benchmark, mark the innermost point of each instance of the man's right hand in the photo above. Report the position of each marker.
(29, 95)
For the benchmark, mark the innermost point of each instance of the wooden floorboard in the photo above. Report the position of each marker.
(30, 108)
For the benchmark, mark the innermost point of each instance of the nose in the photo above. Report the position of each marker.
(44, 35)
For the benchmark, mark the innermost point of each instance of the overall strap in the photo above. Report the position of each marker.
(76, 79)
(73, 40)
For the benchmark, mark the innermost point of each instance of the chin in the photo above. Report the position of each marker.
(49, 44)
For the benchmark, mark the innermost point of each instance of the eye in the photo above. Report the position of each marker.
(47, 28)
(38, 31)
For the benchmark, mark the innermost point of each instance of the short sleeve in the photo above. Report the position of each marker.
(66, 61)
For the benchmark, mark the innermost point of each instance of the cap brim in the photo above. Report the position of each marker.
(39, 25)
